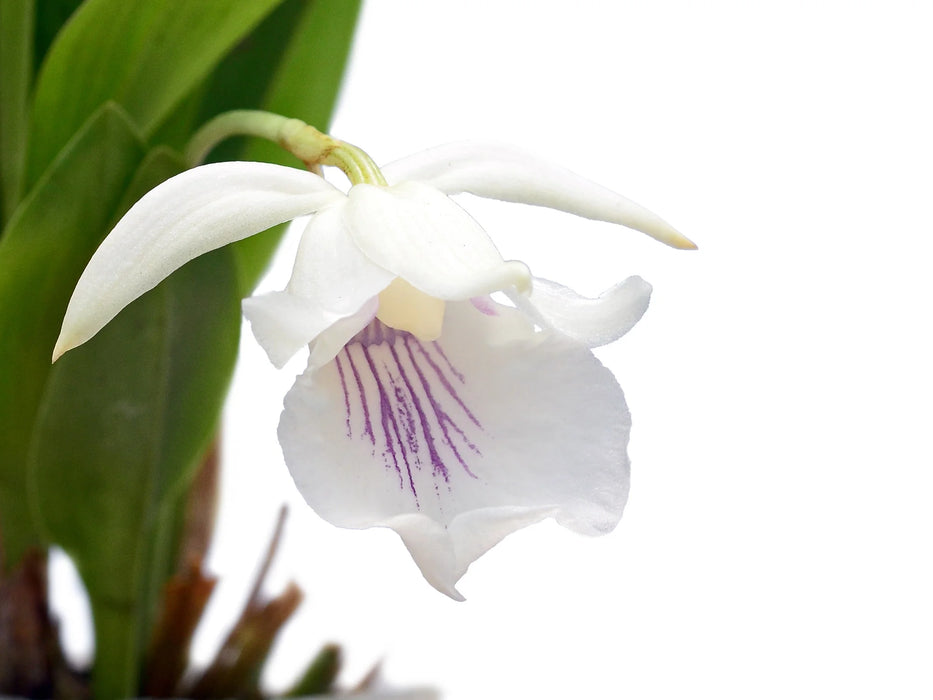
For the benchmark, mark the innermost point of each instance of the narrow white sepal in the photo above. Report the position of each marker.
(188, 215)
(593, 322)
(505, 173)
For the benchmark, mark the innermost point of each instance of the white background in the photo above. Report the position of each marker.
(777, 541)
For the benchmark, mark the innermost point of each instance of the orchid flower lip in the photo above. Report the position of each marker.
(435, 440)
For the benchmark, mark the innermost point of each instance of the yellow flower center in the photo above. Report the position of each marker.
(405, 308)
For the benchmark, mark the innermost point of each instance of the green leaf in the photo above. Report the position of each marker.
(307, 83)
(51, 16)
(16, 30)
(43, 251)
(240, 80)
(147, 56)
(320, 675)
(124, 421)
(305, 87)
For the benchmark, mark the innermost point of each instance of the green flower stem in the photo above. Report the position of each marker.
(305, 142)
(241, 122)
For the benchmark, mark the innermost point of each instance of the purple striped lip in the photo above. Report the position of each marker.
(404, 397)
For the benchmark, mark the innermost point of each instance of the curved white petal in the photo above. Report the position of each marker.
(457, 443)
(330, 270)
(188, 215)
(502, 172)
(329, 343)
(284, 323)
(330, 281)
(592, 322)
(425, 238)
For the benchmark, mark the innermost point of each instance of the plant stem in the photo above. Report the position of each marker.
(117, 652)
(241, 122)
(305, 142)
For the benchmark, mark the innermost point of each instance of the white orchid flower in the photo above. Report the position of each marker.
(426, 406)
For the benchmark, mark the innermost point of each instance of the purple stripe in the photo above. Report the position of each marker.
(443, 418)
(411, 403)
(388, 416)
(440, 375)
(367, 422)
(440, 351)
(436, 462)
(405, 413)
(346, 396)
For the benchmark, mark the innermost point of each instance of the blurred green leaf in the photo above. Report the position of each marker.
(46, 245)
(147, 56)
(51, 16)
(305, 87)
(16, 31)
(124, 421)
(240, 80)
(311, 71)
(321, 673)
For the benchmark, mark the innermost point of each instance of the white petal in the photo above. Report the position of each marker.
(457, 443)
(428, 240)
(190, 214)
(592, 322)
(331, 280)
(330, 270)
(326, 346)
(284, 323)
(501, 172)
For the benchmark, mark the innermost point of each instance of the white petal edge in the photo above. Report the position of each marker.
(501, 172)
(329, 343)
(451, 549)
(190, 214)
(593, 322)
(284, 323)
(549, 438)
(427, 239)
